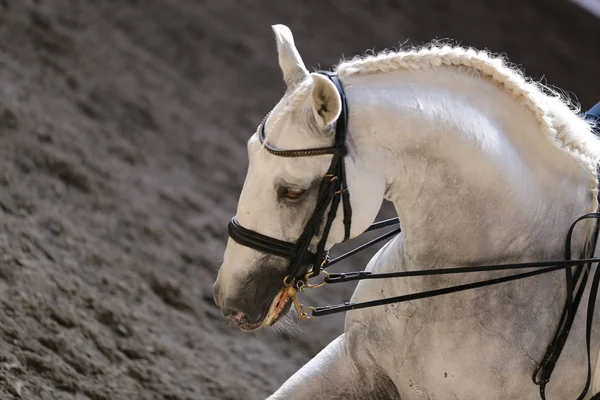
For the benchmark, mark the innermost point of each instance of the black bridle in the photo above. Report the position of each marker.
(305, 264)
(332, 190)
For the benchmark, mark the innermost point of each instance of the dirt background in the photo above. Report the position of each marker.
(122, 152)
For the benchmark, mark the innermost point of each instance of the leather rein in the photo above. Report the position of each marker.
(305, 264)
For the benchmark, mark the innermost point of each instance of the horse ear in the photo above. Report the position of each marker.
(326, 100)
(290, 62)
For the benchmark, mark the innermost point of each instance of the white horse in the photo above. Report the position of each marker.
(482, 166)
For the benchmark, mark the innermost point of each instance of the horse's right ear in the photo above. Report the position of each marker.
(290, 61)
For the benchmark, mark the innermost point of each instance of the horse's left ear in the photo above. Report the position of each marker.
(290, 62)
(325, 99)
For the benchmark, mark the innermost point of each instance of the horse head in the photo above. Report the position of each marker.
(280, 194)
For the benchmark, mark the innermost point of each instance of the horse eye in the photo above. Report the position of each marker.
(293, 193)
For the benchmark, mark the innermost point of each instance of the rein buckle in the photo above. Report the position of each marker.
(303, 313)
(309, 286)
(292, 291)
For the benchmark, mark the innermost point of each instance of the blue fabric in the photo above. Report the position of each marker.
(593, 115)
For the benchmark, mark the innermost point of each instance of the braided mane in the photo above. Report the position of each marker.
(555, 114)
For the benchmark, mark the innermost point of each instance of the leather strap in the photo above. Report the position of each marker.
(260, 242)
(319, 151)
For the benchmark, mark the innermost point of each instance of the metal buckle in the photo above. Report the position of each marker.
(309, 286)
(292, 291)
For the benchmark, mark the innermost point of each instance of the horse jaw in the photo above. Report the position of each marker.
(290, 62)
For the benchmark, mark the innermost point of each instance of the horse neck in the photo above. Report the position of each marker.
(472, 176)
